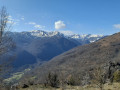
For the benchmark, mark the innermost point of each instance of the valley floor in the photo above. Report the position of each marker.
(115, 86)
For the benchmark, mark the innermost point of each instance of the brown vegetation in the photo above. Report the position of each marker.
(83, 58)
(98, 77)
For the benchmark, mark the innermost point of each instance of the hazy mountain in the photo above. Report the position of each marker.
(43, 46)
(48, 47)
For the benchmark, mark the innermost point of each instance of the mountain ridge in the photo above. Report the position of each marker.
(39, 44)
(41, 33)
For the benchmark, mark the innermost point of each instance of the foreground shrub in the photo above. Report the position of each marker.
(52, 80)
(71, 80)
(116, 76)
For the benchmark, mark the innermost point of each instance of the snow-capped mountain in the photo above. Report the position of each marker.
(78, 37)
(90, 37)
(40, 33)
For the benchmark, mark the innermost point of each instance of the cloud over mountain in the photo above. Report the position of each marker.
(117, 26)
(37, 26)
(59, 25)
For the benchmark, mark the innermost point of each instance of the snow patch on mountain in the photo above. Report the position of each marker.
(40, 33)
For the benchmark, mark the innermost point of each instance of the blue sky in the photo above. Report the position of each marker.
(78, 16)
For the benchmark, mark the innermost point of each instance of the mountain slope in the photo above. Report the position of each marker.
(24, 58)
(48, 47)
(85, 57)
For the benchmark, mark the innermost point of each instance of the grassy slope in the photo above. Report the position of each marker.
(115, 86)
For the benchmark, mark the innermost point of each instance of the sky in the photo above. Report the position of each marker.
(68, 16)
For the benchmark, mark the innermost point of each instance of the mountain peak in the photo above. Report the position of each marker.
(41, 33)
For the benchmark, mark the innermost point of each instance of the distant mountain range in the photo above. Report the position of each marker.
(38, 45)
(39, 33)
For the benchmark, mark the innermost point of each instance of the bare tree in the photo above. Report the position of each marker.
(6, 43)
(98, 77)
(5, 40)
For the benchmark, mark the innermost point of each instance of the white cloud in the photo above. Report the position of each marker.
(59, 25)
(32, 23)
(22, 18)
(10, 18)
(117, 26)
(10, 22)
(67, 32)
(39, 26)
